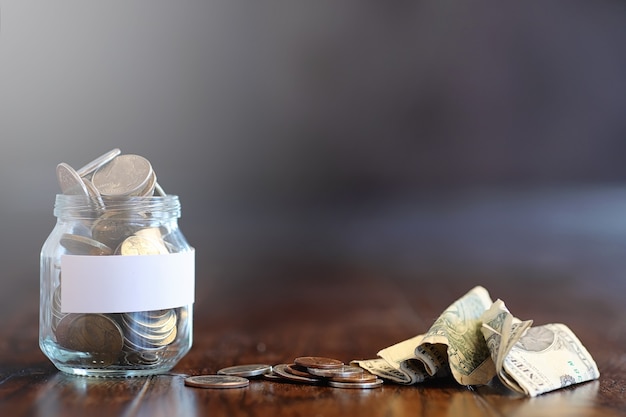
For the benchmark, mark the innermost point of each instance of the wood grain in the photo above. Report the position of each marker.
(274, 310)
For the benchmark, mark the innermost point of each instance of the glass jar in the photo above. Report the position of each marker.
(116, 286)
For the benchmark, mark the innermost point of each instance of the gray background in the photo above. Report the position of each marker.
(323, 128)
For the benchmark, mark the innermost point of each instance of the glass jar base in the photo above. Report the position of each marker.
(128, 364)
(112, 373)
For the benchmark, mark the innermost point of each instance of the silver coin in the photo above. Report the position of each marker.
(94, 194)
(246, 370)
(148, 189)
(149, 338)
(112, 227)
(141, 357)
(57, 315)
(146, 320)
(342, 371)
(362, 377)
(159, 190)
(104, 159)
(132, 344)
(150, 342)
(164, 322)
(356, 385)
(82, 245)
(216, 381)
(150, 333)
(70, 182)
(125, 175)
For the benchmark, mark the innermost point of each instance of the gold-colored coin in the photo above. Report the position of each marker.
(96, 334)
(113, 227)
(138, 245)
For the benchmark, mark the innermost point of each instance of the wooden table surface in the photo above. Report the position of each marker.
(388, 277)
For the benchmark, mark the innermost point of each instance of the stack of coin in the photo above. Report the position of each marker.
(149, 330)
(143, 336)
(310, 370)
(318, 370)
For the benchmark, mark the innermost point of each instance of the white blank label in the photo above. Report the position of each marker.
(121, 284)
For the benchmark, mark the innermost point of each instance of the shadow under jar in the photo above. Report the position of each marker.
(117, 283)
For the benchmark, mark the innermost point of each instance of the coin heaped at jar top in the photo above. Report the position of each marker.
(117, 275)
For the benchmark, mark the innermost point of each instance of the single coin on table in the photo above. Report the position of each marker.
(216, 381)
(250, 370)
(317, 362)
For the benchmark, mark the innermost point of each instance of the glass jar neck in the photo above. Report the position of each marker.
(74, 207)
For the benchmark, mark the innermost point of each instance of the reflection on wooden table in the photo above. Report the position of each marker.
(349, 304)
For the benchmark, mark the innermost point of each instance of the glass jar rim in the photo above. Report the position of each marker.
(80, 206)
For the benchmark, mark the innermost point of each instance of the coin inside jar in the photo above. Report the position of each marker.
(96, 334)
(83, 245)
(112, 228)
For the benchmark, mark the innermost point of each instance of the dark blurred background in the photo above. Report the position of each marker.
(383, 132)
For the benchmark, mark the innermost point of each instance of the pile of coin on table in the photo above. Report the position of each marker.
(132, 338)
(311, 370)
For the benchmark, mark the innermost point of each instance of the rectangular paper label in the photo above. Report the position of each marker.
(123, 284)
